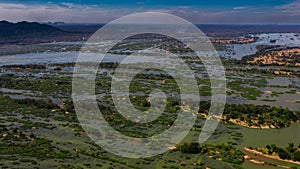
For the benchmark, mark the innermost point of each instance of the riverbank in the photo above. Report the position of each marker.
(257, 153)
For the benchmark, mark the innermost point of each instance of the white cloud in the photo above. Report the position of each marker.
(67, 12)
(239, 8)
(76, 13)
(140, 3)
(291, 9)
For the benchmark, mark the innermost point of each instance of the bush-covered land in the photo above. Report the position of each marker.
(38, 133)
(222, 152)
(39, 126)
(290, 152)
(256, 115)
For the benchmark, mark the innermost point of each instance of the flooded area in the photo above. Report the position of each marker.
(284, 81)
(280, 137)
(171, 86)
(286, 94)
(237, 51)
(68, 57)
(234, 51)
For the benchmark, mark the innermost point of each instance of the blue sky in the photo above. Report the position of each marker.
(196, 11)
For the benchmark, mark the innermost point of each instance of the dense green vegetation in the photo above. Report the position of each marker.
(291, 152)
(39, 127)
(256, 115)
(224, 152)
(58, 85)
(261, 115)
(33, 132)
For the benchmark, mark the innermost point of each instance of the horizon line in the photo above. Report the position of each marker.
(60, 23)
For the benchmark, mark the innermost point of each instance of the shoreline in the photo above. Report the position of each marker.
(255, 152)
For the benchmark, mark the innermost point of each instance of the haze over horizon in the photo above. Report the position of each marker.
(199, 12)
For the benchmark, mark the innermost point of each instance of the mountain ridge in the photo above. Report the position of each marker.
(27, 28)
(23, 33)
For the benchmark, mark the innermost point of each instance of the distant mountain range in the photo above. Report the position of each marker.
(8, 29)
(23, 33)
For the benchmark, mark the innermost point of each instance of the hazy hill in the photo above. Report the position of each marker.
(32, 32)
(23, 33)
(26, 29)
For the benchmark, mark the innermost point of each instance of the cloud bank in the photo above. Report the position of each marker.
(82, 13)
